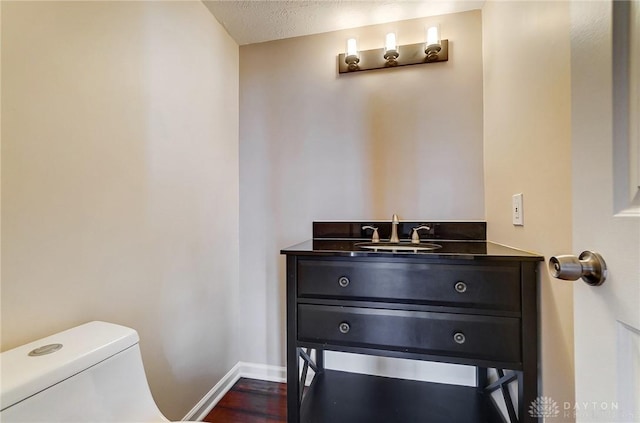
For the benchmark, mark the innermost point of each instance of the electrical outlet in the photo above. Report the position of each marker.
(517, 211)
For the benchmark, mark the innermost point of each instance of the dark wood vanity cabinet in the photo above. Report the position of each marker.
(473, 310)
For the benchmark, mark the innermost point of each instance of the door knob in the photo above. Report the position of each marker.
(589, 266)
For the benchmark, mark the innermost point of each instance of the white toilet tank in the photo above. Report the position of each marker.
(95, 376)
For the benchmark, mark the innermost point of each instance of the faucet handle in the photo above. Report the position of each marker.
(415, 238)
(375, 237)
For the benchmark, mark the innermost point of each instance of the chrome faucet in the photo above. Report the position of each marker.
(394, 230)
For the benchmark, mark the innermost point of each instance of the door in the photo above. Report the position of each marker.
(606, 212)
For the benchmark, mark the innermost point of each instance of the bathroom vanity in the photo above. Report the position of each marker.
(468, 301)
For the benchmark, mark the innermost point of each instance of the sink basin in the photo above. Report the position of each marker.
(401, 247)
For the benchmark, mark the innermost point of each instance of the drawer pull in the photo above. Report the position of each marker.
(343, 281)
(460, 287)
(459, 337)
(344, 327)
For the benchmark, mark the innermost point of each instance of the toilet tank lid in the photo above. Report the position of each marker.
(22, 375)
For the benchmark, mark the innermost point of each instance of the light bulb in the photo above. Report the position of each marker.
(352, 47)
(433, 36)
(390, 42)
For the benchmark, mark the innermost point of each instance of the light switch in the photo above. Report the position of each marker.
(517, 210)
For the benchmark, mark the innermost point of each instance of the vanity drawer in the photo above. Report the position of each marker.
(454, 335)
(486, 286)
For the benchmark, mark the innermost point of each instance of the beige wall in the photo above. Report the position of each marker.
(527, 149)
(316, 145)
(120, 182)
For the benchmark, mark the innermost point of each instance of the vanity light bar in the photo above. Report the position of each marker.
(411, 54)
(393, 55)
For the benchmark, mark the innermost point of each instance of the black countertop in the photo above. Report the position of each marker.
(449, 249)
(456, 240)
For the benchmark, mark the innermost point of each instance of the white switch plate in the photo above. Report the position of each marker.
(517, 211)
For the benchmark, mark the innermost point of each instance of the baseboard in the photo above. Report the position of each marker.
(263, 372)
(269, 373)
(241, 369)
(206, 404)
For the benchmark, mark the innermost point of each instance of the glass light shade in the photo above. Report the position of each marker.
(352, 47)
(390, 43)
(433, 35)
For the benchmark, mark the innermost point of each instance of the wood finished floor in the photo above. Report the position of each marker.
(251, 401)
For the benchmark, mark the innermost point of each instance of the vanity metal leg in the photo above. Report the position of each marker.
(293, 385)
(293, 356)
(320, 360)
(481, 378)
(528, 384)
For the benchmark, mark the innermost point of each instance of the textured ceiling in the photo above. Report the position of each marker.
(256, 21)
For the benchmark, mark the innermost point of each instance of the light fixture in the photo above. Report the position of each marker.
(352, 58)
(391, 49)
(433, 45)
(393, 55)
